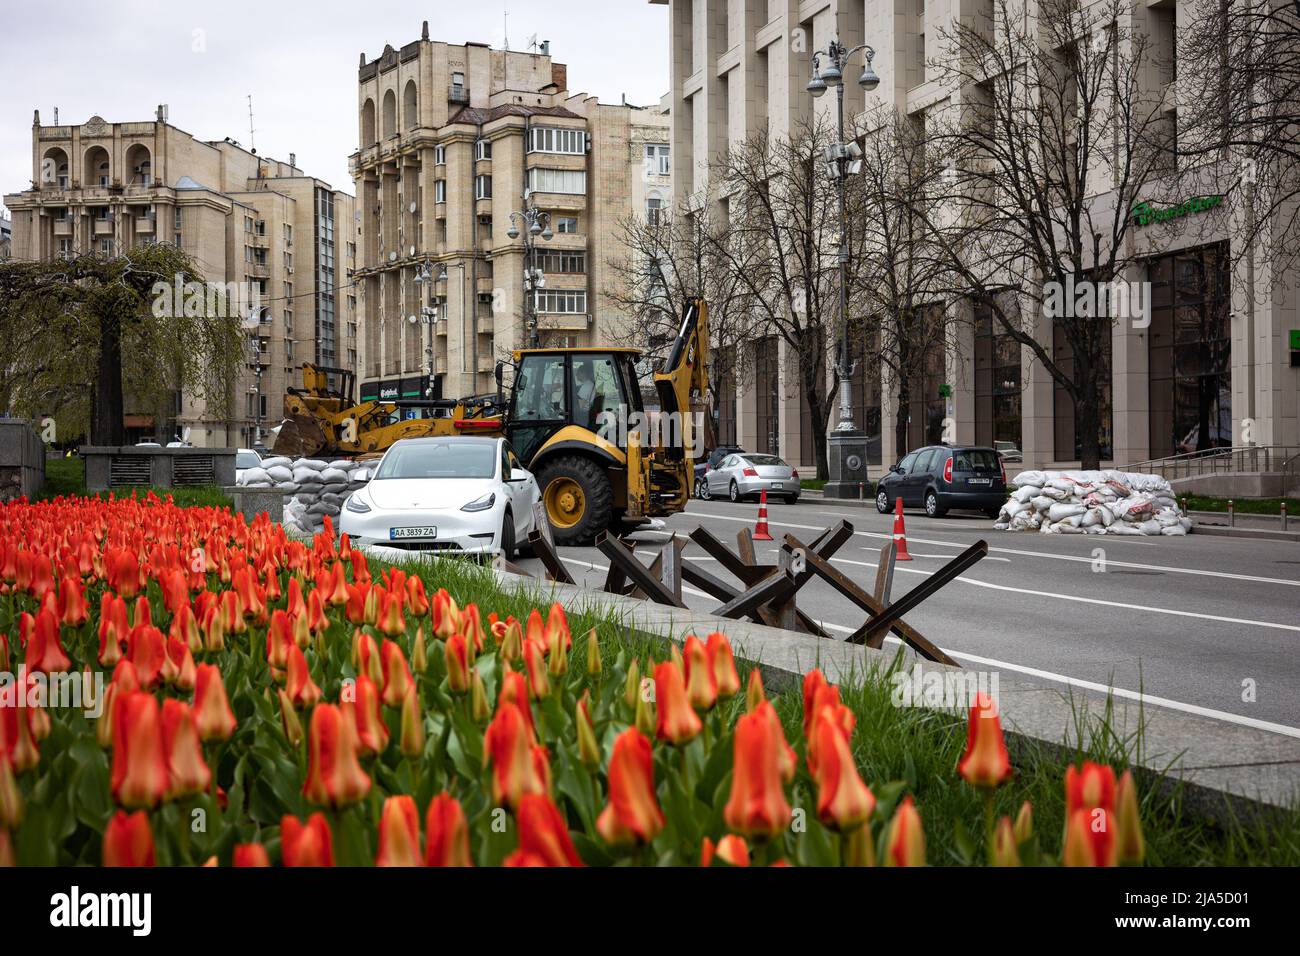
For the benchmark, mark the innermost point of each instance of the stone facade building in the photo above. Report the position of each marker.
(284, 238)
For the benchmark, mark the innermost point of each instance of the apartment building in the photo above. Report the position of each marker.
(6, 238)
(285, 238)
(454, 139)
(738, 66)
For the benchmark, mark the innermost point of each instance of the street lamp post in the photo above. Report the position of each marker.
(537, 222)
(846, 446)
(427, 317)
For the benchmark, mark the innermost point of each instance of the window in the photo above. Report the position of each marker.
(483, 149)
(561, 301)
(458, 79)
(539, 389)
(905, 466)
(657, 159)
(566, 224)
(105, 247)
(653, 207)
(440, 155)
(997, 381)
(65, 248)
(440, 190)
(176, 219)
(595, 388)
(570, 181)
(248, 224)
(103, 174)
(482, 187)
(260, 227)
(101, 213)
(288, 234)
(549, 139)
(558, 263)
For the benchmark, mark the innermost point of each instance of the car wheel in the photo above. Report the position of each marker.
(578, 497)
(508, 536)
(705, 494)
(734, 490)
(932, 508)
(791, 499)
(882, 502)
(992, 512)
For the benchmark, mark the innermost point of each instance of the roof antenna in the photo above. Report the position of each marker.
(505, 25)
(252, 145)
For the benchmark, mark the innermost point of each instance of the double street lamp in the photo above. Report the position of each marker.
(536, 223)
(843, 160)
(427, 317)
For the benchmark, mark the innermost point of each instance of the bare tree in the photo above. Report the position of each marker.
(1053, 137)
(782, 244)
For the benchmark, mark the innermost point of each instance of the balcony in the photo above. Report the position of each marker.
(459, 94)
(103, 227)
(144, 225)
(563, 322)
(63, 227)
(485, 323)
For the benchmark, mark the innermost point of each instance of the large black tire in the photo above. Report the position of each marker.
(932, 507)
(508, 536)
(580, 525)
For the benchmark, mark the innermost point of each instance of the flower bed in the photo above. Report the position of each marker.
(271, 701)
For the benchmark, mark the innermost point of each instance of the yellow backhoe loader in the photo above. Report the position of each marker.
(574, 417)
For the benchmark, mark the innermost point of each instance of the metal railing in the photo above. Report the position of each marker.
(1239, 458)
(1291, 476)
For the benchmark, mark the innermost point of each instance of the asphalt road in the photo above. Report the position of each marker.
(1186, 622)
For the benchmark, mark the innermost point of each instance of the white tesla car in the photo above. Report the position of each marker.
(456, 493)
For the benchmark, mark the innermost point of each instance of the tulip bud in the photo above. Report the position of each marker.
(675, 656)
(757, 806)
(593, 653)
(446, 833)
(139, 773)
(905, 844)
(302, 631)
(701, 687)
(391, 620)
(588, 747)
(843, 801)
(302, 690)
(250, 855)
(11, 798)
(515, 771)
(367, 716)
(632, 815)
(644, 720)
(289, 719)
(754, 692)
(731, 849)
(7, 856)
(543, 833)
(558, 661)
(399, 833)
(1090, 838)
(677, 723)
(212, 713)
(419, 656)
(455, 653)
(478, 702)
(512, 643)
(985, 763)
(1005, 852)
(397, 676)
(632, 685)
(334, 776)
(1024, 827)
(306, 845)
(859, 850)
(723, 665)
(128, 841)
(1132, 847)
(187, 772)
(412, 742)
(539, 685)
(472, 627)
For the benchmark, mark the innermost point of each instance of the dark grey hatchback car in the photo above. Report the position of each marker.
(940, 478)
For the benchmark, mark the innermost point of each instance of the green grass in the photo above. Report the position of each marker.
(812, 484)
(1243, 506)
(915, 750)
(66, 477)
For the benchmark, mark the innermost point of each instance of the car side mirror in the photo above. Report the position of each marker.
(499, 372)
(517, 474)
(361, 474)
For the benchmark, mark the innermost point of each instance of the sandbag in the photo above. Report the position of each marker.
(280, 472)
(332, 474)
(278, 461)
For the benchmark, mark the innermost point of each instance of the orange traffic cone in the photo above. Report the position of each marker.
(900, 534)
(760, 530)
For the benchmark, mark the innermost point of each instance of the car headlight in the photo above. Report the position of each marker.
(356, 504)
(481, 504)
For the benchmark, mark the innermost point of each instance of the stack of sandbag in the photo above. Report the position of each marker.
(321, 488)
(274, 472)
(1092, 502)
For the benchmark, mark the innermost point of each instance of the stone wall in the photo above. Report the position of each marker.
(22, 460)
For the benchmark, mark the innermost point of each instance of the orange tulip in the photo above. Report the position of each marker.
(701, 685)
(1091, 786)
(723, 664)
(302, 690)
(187, 772)
(676, 721)
(399, 833)
(1090, 838)
(514, 690)
(391, 621)
(1005, 851)
(843, 800)
(543, 834)
(787, 760)
(72, 603)
(18, 745)
(250, 855)
(986, 762)
(139, 777)
(372, 732)
(365, 656)
(212, 713)
(334, 776)
(471, 626)
(813, 681)
(539, 684)
(457, 660)
(446, 833)
(632, 815)
(905, 844)
(397, 675)
(311, 844)
(45, 655)
(279, 638)
(180, 665)
(128, 841)
(757, 806)
(731, 849)
(588, 746)
(510, 752)
(411, 741)
(445, 615)
(557, 629)
(416, 599)
(146, 648)
(754, 691)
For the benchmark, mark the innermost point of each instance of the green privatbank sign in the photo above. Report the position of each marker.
(1145, 214)
(1295, 338)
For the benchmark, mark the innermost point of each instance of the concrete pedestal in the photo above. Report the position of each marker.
(847, 454)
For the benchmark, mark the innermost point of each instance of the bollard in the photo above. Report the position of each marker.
(862, 491)
(1184, 506)
(1232, 515)
(1284, 516)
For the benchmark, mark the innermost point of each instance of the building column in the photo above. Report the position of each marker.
(959, 372)
(1130, 387)
(889, 450)
(1037, 419)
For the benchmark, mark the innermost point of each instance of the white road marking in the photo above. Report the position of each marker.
(1222, 715)
(1032, 554)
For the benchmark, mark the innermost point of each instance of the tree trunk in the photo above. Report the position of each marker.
(900, 416)
(1087, 419)
(107, 407)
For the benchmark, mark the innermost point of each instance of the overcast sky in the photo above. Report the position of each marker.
(121, 58)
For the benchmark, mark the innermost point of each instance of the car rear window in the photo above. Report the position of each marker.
(976, 459)
(764, 460)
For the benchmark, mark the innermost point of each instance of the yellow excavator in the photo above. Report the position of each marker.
(574, 417)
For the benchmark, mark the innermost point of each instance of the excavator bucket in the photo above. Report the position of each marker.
(300, 435)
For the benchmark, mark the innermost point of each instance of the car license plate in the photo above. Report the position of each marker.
(979, 481)
(777, 484)
(396, 533)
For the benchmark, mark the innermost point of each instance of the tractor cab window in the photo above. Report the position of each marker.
(596, 389)
(539, 390)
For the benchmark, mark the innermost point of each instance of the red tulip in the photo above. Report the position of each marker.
(471, 626)
(365, 656)
(128, 841)
(731, 849)
(813, 681)
(515, 771)
(212, 713)
(18, 745)
(334, 776)
(1089, 787)
(45, 654)
(543, 833)
(391, 620)
(372, 732)
(181, 661)
(986, 762)
(701, 685)
(279, 638)
(557, 629)
(787, 760)
(139, 777)
(250, 855)
(676, 721)
(397, 675)
(446, 833)
(633, 814)
(757, 806)
(457, 659)
(905, 844)
(416, 599)
(1090, 838)
(72, 603)
(399, 833)
(843, 800)
(302, 690)
(146, 648)
(311, 844)
(187, 772)
(539, 684)
(514, 690)
(723, 665)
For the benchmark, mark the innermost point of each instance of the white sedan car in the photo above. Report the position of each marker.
(456, 493)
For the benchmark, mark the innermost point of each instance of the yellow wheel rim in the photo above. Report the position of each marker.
(565, 502)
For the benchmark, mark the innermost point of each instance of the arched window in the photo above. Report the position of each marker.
(98, 171)
(390, 114)
(54, 168)
(139, 167)
(410, 106)
(368, 123)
